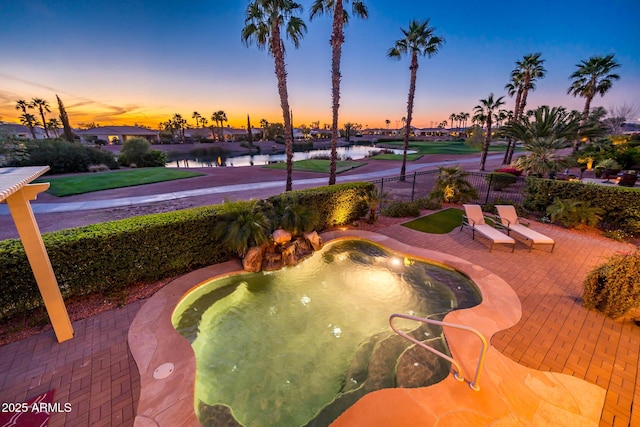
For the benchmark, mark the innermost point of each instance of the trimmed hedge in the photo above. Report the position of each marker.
(111, 256)
(620, 206)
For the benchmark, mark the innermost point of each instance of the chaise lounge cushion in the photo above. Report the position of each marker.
(474, 218)
(511, 222)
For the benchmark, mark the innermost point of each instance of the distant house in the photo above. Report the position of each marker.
(21, 131)
(117, 134)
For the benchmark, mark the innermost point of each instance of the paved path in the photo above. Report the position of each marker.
(271, 187)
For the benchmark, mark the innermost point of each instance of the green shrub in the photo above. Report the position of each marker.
(335, 204)
(64, 157)
(574, 213)
(138, 152)
(614, 287)
(401, 209)
(620, 205)
(499, 180)
(427, 203)
(112, 256)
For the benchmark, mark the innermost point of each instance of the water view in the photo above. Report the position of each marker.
(213, 159)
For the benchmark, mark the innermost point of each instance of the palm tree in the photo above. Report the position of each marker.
(22, 105)
(53, 125)
(42, 106)
(30, 121)
(387, 122)
(531, 68)
(542, 158)
(452, 117)
(264, 124)
(418, 40)
(196, 116)
(340, 18)
(465, 117)
(555, 123)
(179, 123)
(219, 117)
(264, 22)
(486, 111)
(452, 186)
(592, 77)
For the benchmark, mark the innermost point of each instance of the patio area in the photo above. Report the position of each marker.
(97, 375)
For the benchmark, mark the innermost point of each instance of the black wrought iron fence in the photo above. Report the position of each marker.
(490, 187)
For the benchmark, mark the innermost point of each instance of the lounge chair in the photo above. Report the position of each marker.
(474, 218)
(510, 221)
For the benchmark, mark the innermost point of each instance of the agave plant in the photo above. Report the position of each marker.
(242, 227)
(452, 186)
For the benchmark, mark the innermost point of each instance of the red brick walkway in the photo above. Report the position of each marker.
(94, 371)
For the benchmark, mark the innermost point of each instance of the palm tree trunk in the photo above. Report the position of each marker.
(44, 123)
(337, 38)
(412, 92)
(281, 75)
(485, 147)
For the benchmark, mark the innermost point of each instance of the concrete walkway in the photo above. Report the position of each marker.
(264, 188)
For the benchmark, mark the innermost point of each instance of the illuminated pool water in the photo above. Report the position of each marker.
(298, 346)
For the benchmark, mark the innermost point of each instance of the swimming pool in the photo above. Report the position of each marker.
(300, 345)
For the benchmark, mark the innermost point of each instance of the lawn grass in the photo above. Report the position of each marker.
(79, 184)
(445, 147)
(410, 157)
(318, 165)
(441, 222)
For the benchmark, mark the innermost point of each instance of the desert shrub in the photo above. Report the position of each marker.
(499, 181)
(401, 209)
(574, 213)
(426, 203)
(98, 168)
(63, 156)
(614, 287)
(138, 151)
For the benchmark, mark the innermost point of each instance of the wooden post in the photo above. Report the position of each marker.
(29, 232)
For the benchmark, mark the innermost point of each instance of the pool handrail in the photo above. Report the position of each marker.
(458, 372)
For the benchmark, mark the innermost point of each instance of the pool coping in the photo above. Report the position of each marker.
(509, 392)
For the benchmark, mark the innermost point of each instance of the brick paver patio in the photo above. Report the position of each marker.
(97, 375)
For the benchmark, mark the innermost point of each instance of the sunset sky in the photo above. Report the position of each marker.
(125, 62)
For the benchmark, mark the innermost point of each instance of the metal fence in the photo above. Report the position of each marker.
(420, 184)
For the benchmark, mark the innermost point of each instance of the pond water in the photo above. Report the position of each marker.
(212, 159)
(301, 344)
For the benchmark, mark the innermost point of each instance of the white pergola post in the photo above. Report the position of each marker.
(18, 197)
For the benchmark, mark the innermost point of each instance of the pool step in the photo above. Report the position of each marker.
(387, 361)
